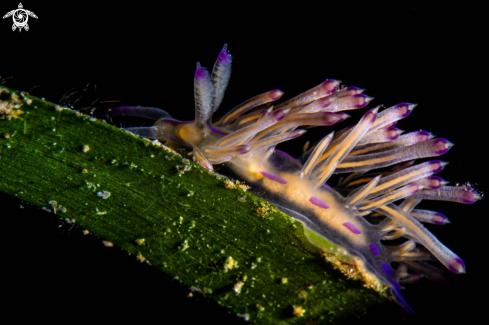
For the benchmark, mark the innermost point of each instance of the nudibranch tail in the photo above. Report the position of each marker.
(370, 213)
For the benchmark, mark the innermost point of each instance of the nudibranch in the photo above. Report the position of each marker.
(370, 213)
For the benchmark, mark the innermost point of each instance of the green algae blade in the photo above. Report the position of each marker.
(215, 237)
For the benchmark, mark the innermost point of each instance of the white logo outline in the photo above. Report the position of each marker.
(20, 17)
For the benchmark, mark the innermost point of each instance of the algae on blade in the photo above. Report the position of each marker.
(192, 224)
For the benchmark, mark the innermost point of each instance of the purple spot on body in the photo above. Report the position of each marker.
(374, 249)
(169, 120)
(216, 130)
(274, 177)
(352, 228)
(318, 202)
(386, 269)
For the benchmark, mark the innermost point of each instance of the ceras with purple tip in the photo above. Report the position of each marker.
(370, 213)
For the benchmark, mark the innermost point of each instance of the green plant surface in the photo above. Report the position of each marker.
(215, 237)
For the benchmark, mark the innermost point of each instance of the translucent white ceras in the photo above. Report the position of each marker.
(367, 206)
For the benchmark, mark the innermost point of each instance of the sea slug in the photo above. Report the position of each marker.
(371, 213)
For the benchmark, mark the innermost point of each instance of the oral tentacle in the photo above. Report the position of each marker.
(151, 113)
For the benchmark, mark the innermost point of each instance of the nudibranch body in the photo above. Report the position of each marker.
(369, 212)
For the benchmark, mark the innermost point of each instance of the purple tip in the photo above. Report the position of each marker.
(438, 165)
(243, 149)
(276, 94)
(325, 184)
(318, 202)
(405, 108)
(441, 146)
(352, 228)
(415, 188)
(457, 266)
(424, 135)
(374, 249)
(358, 90)
(274, 177)
(331, 85)
(200, 72)
(342, 116)
(440, 219)
(386, 269)
(393, 133)
(470, 195)
(332, 118)
(371, 114)
(435, 182)
(361, 100)
(224, 56)
(279, 114)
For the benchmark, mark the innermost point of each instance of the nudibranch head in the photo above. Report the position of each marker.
(371, 213)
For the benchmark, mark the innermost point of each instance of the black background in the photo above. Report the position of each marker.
(144, 53)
